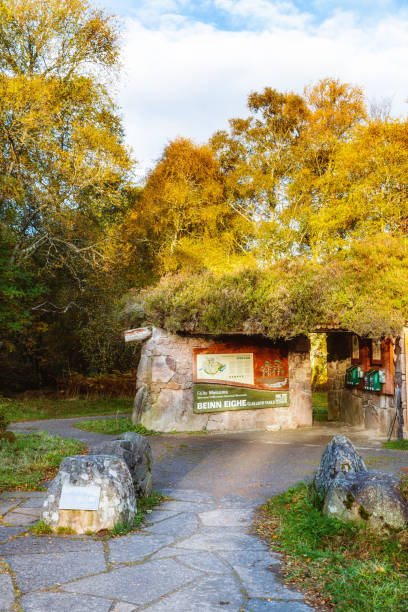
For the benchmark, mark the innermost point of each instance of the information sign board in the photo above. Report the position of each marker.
(226, 367)
(243, 365)
(79, 498)
(376, 356)
(239, 375)
(221, 398)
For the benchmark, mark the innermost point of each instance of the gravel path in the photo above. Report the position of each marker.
(196, 553)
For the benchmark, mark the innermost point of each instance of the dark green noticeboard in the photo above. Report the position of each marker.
(220, 398)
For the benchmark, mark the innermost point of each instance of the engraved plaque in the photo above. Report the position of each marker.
(79, 498)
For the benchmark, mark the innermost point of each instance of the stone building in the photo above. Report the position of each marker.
(236, 382)
(193, 382)
(370, 401)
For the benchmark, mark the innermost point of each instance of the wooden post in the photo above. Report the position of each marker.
(404, 395)
(399, 373)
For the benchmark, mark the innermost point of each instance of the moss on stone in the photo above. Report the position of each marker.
(365, 515)
(349, 501)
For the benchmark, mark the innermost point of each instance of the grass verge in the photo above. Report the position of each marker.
(33, 458)
(114, 426)
(38, 408)
(144, 507)
(319, 402)
(396, 444)
(319, 399)
(320, 414)
(339, 565)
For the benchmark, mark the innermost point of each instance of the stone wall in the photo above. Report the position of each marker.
(353, 406)
(164, 397)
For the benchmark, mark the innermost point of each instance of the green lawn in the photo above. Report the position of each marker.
(33, 458)
(335, 563)
(113, 426)
(319, 399)
(396, 444)
(32, 409)
(319, 402)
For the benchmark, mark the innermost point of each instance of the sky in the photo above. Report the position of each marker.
(189, 66)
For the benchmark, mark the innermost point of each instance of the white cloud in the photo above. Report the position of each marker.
(274, 14)
(183, 77)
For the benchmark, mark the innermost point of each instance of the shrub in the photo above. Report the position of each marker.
(115, 384)
(4, 422)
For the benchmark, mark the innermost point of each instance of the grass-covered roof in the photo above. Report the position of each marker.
(365, 292)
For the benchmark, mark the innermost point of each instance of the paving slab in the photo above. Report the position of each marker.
(19, 520)
(204, 561)
(235, 501)
(139, 584)
(181, 526)
(160, 515)
(7, 506)
(262, 582)
(8, 532)
(64, 602)
(27, 545)
(34, 502)
(241, 529)
(222, 540)
(262, 605)
(20, 495)
(250, 558)
(207, 595)
(190, 495)
(123, 607)
(6, 592)
(186, 506)
(38, 571)
(136, 547)
(27, 511)
(227, 517)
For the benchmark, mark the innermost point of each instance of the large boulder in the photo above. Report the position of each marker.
(339, 458)
(90, 493)
(135, 450)
(142, 471)
(371, 497)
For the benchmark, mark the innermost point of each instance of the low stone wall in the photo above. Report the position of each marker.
(164, 397)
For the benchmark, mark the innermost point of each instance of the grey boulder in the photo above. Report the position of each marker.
(135, 450)
(108, 476)
(339, 458)
(372, 498)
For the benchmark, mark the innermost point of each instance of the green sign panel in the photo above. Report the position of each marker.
(220, 398)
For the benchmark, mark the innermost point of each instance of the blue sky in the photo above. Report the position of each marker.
(189, 66)
(210, 12)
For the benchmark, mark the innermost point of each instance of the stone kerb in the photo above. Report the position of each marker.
(80, 478)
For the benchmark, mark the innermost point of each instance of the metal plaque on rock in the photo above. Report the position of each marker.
(79, 498)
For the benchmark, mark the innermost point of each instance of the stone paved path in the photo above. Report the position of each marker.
(196, 553)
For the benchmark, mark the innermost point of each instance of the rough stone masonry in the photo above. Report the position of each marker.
(164, 397)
